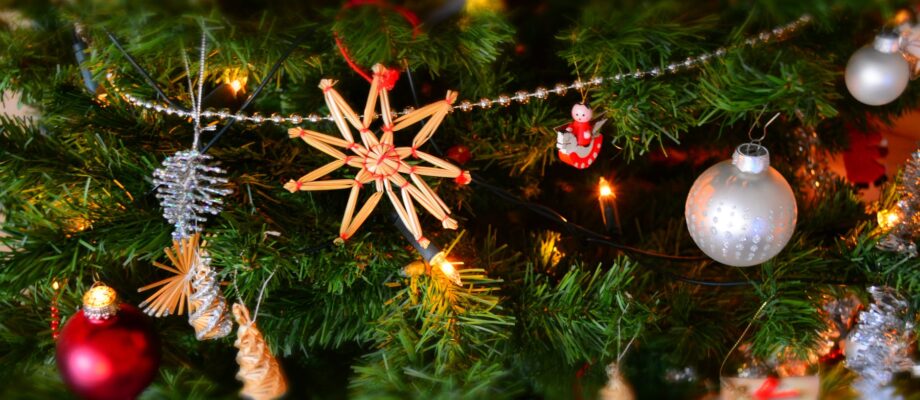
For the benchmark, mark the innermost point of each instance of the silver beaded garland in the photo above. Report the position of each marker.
(520, 97)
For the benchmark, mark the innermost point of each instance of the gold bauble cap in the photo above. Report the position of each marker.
(100, 301)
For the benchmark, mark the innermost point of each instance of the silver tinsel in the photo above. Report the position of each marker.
(902, 235)
(681, 375)
(210, 313)
(187, 190)
(880, 344)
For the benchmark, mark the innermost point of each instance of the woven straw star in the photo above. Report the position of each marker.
(378, 160)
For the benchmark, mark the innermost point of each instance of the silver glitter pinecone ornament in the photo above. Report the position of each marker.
(878, 74)
(186, 189)
(741, 212)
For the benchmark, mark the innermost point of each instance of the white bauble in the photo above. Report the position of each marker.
(741, 212)
(878, 74)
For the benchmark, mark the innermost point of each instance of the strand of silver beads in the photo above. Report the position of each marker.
(520, 97)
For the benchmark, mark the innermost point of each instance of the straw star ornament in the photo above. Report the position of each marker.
(379, 160)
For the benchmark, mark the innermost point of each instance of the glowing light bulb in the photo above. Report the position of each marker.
(236, 85)
(887, 219)
(604, 188)
(235, 78)
(607, 199)
(447, 268)
(477, 6)
(901, 17)
(55, 285)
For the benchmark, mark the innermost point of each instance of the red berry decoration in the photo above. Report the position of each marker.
(107, 350)
(459, 154)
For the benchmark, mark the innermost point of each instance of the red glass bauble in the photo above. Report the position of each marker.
(460, 154)
(114, 358)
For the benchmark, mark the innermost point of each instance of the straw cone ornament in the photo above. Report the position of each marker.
(193, 286)
(209, 310)
(259, 370)
(616, 388)
(378, 160)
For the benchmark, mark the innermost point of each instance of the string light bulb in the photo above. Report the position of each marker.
(236, 79)
(606, 198)
(481, 6)
(236, 85)
(902, 16)
(604, 188)
(447, 268)
(888, 219)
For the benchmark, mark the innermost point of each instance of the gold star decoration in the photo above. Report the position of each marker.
(379, 160)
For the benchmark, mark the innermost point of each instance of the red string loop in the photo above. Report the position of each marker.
(390, 79)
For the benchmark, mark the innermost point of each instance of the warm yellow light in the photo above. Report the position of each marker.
(604, 188)
(236, 85)
(236, 78)
(447, 268)
(901, 17)
(475, 6)
(55, 285)
(887, 219)
(77, 224)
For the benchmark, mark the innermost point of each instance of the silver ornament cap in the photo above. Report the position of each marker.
(878, 74)
(741, 212)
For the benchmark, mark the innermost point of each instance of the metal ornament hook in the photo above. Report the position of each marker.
(765, 126)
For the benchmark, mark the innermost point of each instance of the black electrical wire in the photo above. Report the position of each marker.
(140, 70)
(268, 77)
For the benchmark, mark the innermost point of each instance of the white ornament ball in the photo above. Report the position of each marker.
(741, 212)
(878, 74)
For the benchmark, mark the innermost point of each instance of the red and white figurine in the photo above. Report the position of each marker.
(579, 142)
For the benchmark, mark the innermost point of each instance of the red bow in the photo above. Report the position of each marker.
(768, 391)
(388, 78)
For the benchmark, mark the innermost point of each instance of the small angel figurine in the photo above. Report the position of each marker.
(579, 142)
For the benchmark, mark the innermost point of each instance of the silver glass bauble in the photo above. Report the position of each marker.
(741, 212)
(878, 74)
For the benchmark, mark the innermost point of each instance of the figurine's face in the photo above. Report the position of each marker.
(581, 113)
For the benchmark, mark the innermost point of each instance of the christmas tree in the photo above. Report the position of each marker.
(378, 200)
